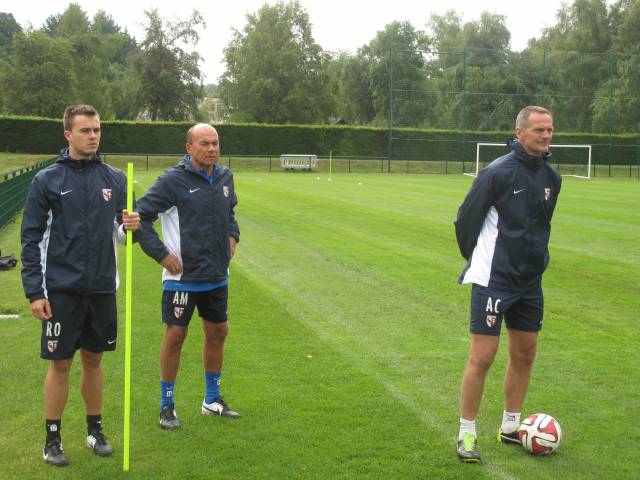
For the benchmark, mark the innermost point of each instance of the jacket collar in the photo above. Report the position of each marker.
(187, 164)
(65, 158)
(525, 158)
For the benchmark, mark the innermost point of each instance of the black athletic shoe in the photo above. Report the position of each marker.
(53, 453)
(97, 442)
(169, 418)
(512, 438)
(468, 449)
(218, 407)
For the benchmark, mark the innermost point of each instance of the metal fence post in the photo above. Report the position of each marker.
(390, 147)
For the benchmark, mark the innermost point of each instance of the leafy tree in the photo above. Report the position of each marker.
(43, 81)
(276, 72)
(170, 78)
(352, 87)
(8, 28)
(488, 40)
(616, 107)
(104, 23)
(470, 65)
(124, 88)
(396, 53)
(73, 21)
(50, 25)
(576, 64)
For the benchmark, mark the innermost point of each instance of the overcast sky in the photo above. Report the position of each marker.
(336, 24)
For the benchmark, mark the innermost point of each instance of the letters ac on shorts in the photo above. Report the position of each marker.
(520, 310)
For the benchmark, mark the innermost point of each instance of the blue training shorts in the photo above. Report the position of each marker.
(520, 310)
(178, 307)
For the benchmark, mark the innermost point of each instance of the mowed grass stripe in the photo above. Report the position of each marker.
(249, 229)
(417, 434)
(305, 408)
(317, 274)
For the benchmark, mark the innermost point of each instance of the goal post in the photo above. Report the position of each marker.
(479, 145)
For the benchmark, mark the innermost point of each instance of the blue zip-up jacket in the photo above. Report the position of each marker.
(504, 223)
(72, 219)
(197, 220)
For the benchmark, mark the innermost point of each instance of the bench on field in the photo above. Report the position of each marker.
(298, 162)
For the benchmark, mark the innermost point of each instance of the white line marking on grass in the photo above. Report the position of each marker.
(9, 316)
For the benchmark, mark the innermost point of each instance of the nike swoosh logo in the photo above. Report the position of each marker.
(64, 193)
(194, 190)
(515, 192)
(111, 342)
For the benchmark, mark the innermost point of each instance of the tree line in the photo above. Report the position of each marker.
(451, 74)
(72, 58)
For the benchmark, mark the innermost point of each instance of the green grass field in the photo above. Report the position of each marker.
(348, 339)
(13, 161)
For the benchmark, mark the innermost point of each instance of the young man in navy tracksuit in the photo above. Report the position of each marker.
(195, 201)
(73, 215)
(503, 228)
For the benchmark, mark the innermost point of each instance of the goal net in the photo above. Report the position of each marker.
(571, 160)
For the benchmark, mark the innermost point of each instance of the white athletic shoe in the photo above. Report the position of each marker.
(218, 407)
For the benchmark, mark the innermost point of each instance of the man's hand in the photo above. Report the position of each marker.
(172, 264)
(41, 309)
(131, 221)
(232, 244)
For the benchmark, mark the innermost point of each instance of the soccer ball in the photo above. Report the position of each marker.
(540, 434)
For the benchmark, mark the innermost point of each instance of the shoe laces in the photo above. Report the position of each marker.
(469, 442)
(99, 436)
(168, 412)
(221, 401)
(55, 447)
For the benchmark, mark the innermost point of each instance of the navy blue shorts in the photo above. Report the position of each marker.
(178, 307)
(520, 310)
(79, 321)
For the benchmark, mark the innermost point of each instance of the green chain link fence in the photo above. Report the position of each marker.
(477, 94)
(14, 186)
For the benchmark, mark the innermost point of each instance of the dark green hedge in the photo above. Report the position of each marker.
(39, 135)
(621, 149)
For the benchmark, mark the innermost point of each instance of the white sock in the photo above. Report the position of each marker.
(510, 421)
(466, 426)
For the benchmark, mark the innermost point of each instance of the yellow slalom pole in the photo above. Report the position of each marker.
(127, 338)
(330, 162)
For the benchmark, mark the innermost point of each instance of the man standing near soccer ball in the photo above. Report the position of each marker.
(74, 213)
(195, 201)
(503, 228)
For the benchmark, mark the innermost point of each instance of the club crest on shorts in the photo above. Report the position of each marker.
(491, 320)
(52, 345)
(547, 193)
(225, 190)
(106, 194)
(178, 311)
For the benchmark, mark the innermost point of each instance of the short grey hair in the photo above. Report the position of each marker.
(522, 120)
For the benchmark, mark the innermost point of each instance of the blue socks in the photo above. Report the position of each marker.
(166, 393)
(212, 380)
